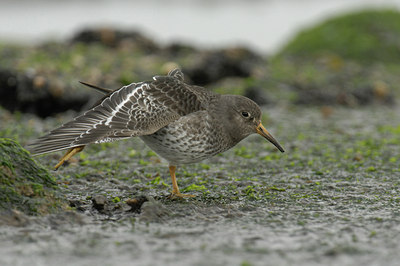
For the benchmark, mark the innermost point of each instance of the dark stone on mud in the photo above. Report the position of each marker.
(31, 93)
(179, 49)
(99, 202)
(136, 203)
(370, 95)
(316, 97)
(313, 95)
(215, 65)
(258, 95)
(79, 205)
(113, 38)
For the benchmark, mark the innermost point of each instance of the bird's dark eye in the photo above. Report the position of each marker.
(245, 114)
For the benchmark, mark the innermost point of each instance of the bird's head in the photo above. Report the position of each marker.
(245, 119)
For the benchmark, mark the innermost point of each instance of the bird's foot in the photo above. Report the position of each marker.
(175, 195)
(71, 152)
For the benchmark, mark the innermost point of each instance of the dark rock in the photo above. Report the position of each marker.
(257, 94)
(8, 89)
(316, 97)
(113, 38)
(368, 95)
(99, 202)
(179, 49)
(31, 93)
(122, 206)
(313, 95)
(136, 203)
(215, 65)
(78, 204)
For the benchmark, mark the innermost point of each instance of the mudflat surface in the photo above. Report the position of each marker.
(331, 199)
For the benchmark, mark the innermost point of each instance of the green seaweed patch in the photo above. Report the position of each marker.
(244, 152)
(116, 199)
(194, 187)
(158, 181)
(252, 192)
(25, 185)
(365, 36)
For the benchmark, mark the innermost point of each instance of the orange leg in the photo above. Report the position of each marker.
(175, 188)
(71, 152)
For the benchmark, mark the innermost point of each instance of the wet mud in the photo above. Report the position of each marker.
(331, 199)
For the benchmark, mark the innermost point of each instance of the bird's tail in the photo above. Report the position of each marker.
(100, 89)
(56, 140)
(74, 133)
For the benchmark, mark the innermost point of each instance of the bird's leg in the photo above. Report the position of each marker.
(175, 188)
(71, 152)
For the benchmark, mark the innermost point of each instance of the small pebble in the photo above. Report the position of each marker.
(99, 201)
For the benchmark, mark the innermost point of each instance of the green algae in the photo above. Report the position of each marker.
(365, 36)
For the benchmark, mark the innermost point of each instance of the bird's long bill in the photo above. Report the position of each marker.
(263, 132)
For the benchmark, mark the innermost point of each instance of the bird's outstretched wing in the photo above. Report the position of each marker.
(133, 110)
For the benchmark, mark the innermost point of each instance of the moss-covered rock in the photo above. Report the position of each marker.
(366, 36)
(25, 185)
(348, 60)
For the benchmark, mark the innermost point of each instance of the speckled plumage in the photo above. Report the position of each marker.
(180, 122)
(134, 110)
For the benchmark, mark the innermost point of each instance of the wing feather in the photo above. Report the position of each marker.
(134, 110)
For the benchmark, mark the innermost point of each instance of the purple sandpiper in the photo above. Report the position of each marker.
(182, 123)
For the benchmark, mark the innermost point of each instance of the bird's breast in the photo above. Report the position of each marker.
(190, 139)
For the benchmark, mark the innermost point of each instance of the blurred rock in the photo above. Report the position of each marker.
(366, 95)
(113, 38)
(257, 94)
(229, 85)
(99, 202)
(179, 49)
(350, 59)
(78, 204)
(212, 66)
(316, 97)
(136, 203)
(369, 95)
(37, 94)
(365, 36)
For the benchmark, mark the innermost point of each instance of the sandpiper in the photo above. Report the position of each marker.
(182, 123)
